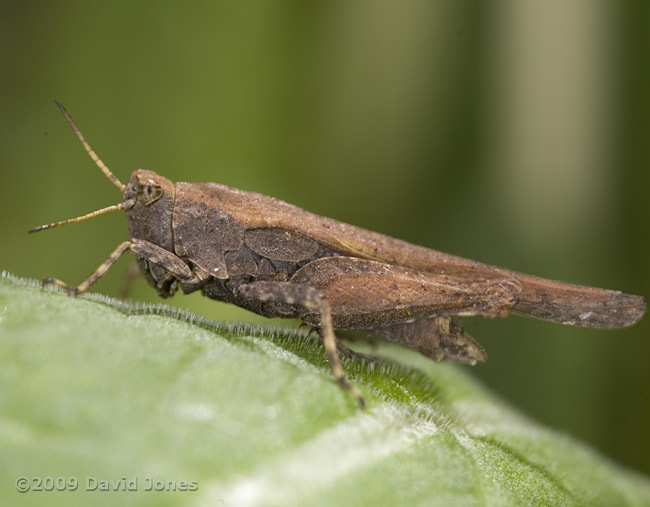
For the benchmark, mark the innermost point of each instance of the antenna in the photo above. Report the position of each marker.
(90, 151)
(78, 219)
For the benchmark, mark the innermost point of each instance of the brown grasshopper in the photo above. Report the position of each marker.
(278, 260)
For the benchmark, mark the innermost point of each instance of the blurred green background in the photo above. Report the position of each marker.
(514, 133)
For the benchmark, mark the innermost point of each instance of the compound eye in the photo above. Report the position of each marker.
(149, 191)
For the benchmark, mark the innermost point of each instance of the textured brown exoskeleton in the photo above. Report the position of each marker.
(278, 260)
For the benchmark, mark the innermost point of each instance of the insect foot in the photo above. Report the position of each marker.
(70, 291)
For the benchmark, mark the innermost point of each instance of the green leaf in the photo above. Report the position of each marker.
(95, 389)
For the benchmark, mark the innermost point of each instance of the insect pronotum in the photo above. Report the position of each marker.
(278, 260)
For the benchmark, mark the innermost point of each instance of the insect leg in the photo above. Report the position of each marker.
(127, 281)
(95, 275)
(347, 352)
(343, 350)
(311, 299)
(438, 338)
(155, 254)
(152, 253)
